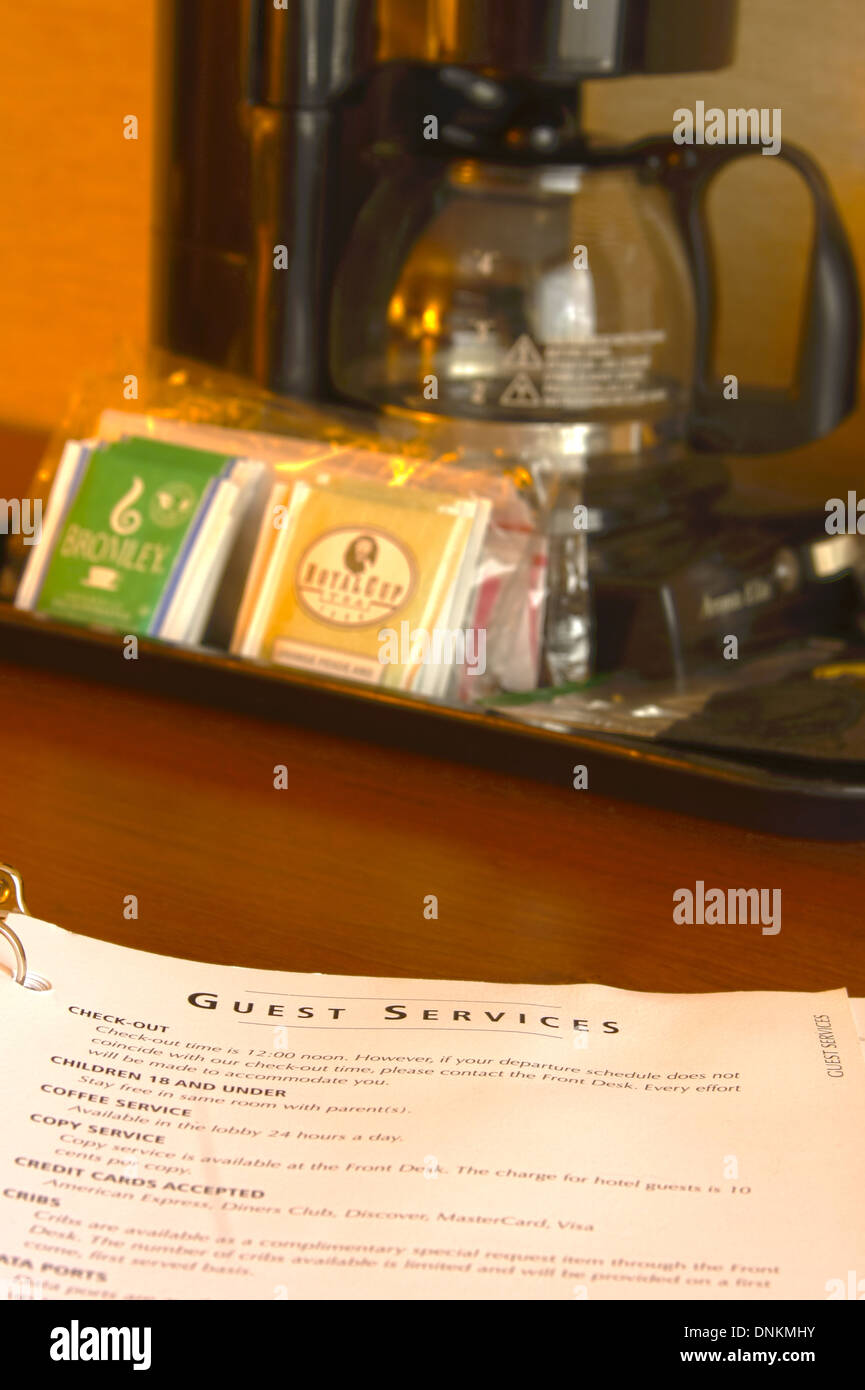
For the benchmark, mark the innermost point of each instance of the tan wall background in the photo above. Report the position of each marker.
(74, 236)
(804, 56)
(75, 195)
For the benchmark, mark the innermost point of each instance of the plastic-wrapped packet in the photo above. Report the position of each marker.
(457, 558)
(624, 704)
(509, 608)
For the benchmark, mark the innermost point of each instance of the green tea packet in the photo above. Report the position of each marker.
(136, 508)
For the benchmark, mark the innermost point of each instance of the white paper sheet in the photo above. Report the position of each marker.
(179, 1130)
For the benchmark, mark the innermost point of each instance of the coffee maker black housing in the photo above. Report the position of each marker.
(274, 118)
(268, 116)
(302, 206)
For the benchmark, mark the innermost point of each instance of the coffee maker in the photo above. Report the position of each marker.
(394, 206)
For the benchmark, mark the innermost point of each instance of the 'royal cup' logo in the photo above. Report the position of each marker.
(354, 578)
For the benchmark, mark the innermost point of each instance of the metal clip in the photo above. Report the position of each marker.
(12, 900)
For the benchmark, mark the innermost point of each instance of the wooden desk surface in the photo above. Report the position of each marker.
(107, 792)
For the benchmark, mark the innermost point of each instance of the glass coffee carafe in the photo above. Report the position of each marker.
(559, 317)
(554, 293)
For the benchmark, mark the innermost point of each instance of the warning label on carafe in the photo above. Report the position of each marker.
(610, 369)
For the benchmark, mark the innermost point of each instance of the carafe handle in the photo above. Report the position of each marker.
(824, 389)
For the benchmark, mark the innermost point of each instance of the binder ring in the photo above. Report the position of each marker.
(12, 900)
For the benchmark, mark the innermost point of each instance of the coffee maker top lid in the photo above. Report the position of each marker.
(559, 39)
(306, 53)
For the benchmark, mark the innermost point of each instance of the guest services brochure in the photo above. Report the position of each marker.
(181, 1130)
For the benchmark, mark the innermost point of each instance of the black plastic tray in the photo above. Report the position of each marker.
(785, 797)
